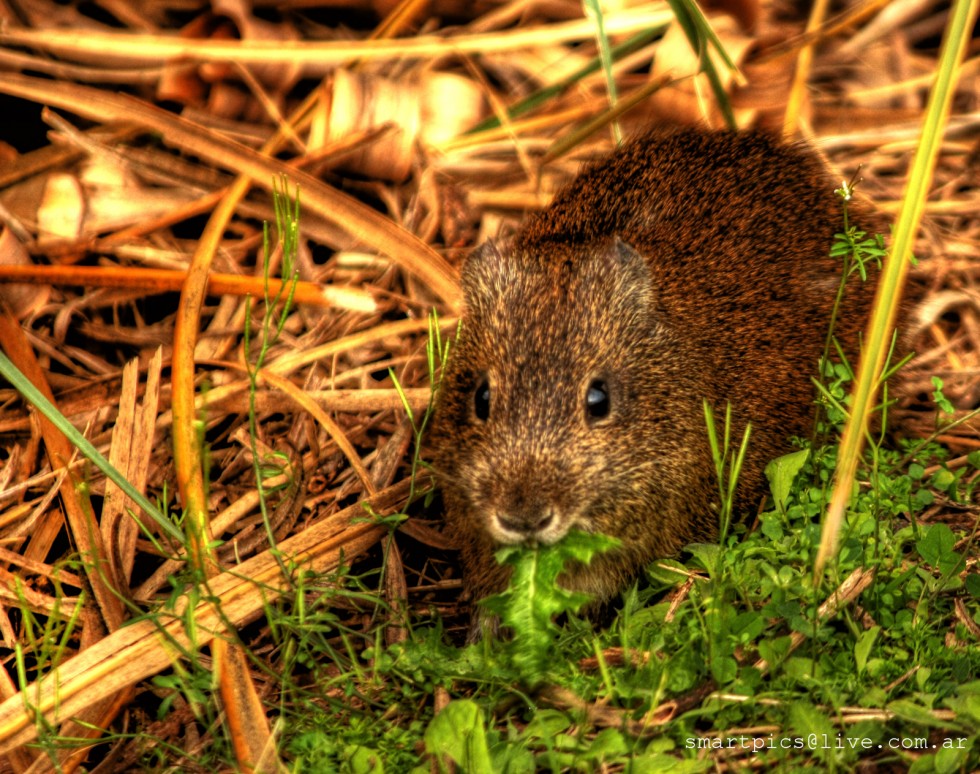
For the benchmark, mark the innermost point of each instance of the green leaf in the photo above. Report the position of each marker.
(459, 733)
(914, 713)
(724, 669)
(940, 398)
(774, 650)
(706, 554)
(547, 724)
(936, 548)
(364, 760)
(534, 597)
(923, 498)
(863, 646)
(943, 480)
(807, 720)
(972, 584)
(511, 758)
(951, 757)
(607, 745)
(747, 626)
(781, 473)
(936, 542)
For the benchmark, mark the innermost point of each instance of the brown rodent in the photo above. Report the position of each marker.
(685, 266)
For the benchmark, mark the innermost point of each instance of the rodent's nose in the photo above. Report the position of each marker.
(527, 522)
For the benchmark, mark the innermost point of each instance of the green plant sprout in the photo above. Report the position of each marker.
(723, 457)
(46, 643)
(855, 249)
(436, 355)
(939, 397)
(854, 246)
(277, 307)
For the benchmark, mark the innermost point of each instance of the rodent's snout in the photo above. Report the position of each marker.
(527, 525)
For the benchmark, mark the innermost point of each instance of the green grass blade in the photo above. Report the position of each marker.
(541, 96)
(701, 37)
(594, 12)
(23, 385)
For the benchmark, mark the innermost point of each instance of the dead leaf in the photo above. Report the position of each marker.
(21, 299)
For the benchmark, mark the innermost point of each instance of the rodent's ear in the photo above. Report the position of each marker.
(634, 271)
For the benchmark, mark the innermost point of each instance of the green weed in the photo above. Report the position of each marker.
(277, 307)
(436, 355)
(535, 597)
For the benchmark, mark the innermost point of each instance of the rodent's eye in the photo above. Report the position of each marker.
(597, 403)
(481, 400)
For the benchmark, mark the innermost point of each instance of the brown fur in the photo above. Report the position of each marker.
(730, 301)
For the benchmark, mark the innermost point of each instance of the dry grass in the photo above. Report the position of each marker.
(108, 214)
